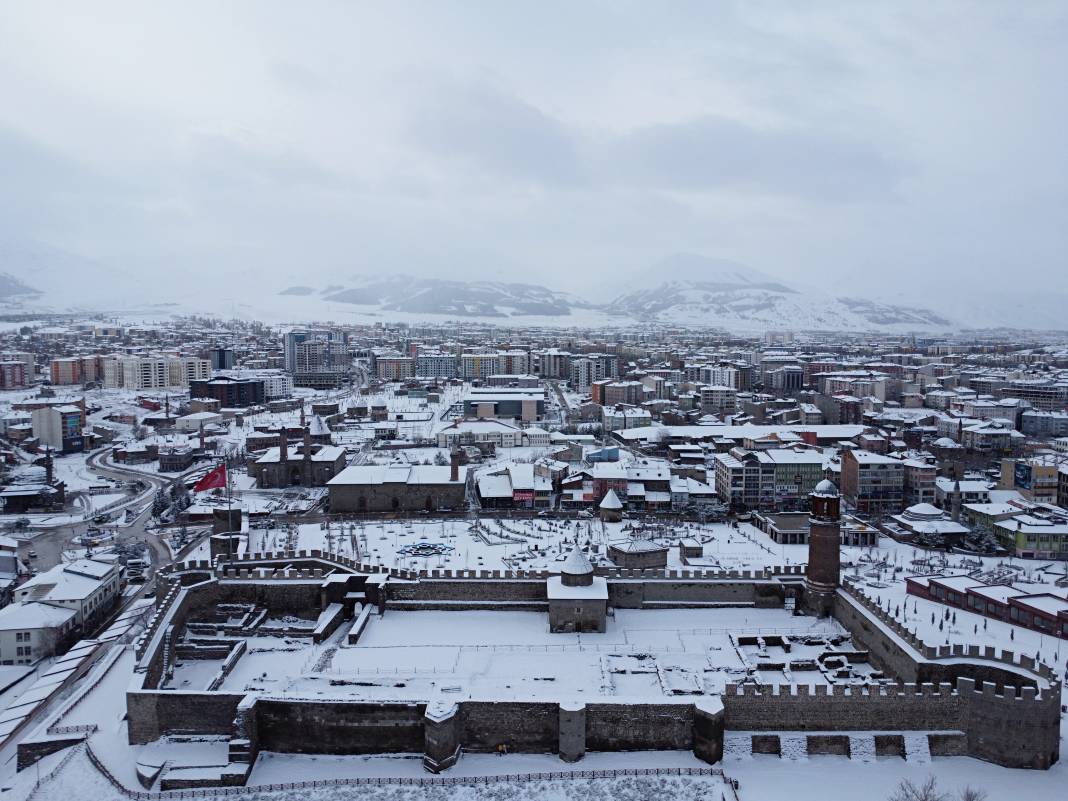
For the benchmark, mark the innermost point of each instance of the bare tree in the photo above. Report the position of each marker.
(969, 793)
(928, 791)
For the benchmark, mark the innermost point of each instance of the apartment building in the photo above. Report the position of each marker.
(1036, 423)
(619, 418)
(86, 587)
(477, 366)
(231, 392)
(551, 363)
(587, 370)
(628, 393)
(1035, 478)
(779, 478)
(1044, 394)
(29, 365)
(395, 368)
(874, 484)
(183, 370)
(12, 375)
(719, 399)
(918, 482)
(59, 427)
(436, 365)
(317, 358)
(513, 362)
(66, 371)
(30, 632)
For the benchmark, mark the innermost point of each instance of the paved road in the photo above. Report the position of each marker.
(50, 543)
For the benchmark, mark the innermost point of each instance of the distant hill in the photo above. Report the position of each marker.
(489, 299)
(691, 289)
(13, 287)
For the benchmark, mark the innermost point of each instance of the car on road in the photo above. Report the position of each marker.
(32, 554)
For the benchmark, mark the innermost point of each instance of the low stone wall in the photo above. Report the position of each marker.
(29, 752)
(152, 714)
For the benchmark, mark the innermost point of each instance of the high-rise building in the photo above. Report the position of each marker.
(66, 371)
(318, 358)
(221, 358)
(182, 370)
(59, 427)
(435, 365)
(12, 375)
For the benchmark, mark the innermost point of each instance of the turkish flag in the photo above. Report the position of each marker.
(215, 479)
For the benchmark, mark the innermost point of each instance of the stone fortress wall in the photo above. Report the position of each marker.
(998, 707)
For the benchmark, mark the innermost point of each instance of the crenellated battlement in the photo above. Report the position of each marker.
(693, 574)
(946, 652)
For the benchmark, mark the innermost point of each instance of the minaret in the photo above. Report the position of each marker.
(824, 549)
(306, 463)
(955, 500)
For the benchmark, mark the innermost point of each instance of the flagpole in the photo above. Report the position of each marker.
(229, 513)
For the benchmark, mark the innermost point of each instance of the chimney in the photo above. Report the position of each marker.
(201, 435)
(454, 465)
(48, 466)
(307, 444)
(283, 445)
(302, 414)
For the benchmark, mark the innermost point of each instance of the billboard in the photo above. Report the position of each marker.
(1022, 475)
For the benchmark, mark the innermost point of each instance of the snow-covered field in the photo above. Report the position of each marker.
(643, 655)
(538, 544)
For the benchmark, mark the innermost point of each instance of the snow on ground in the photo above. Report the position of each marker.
(928, 618)
(537, 544)
(644, 654)
(80, 780)
(760, 778)
(769, 778)
(274, 768)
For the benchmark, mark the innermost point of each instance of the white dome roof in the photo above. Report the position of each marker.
(826, 487)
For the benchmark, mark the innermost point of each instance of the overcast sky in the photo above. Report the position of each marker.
(884, 144)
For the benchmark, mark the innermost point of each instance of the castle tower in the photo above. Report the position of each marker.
(824, 549)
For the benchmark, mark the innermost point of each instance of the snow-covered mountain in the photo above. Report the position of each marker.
(684, 289)
(733, 297)
(412, 295)
(758, 307)
(691, 289)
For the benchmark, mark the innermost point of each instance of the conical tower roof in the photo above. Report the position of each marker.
(577, 564)
(611, 501)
